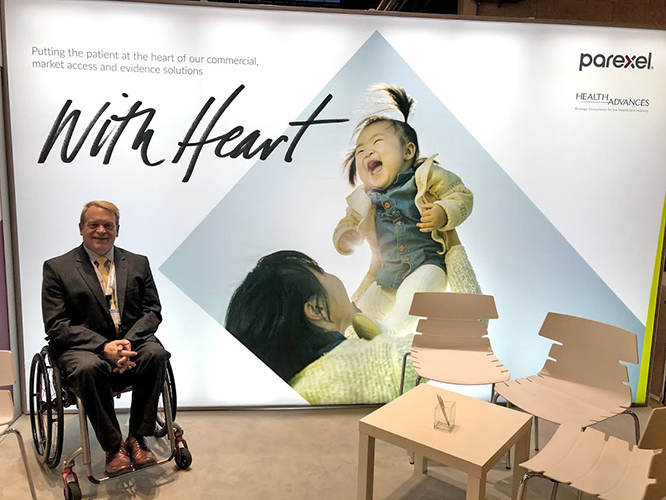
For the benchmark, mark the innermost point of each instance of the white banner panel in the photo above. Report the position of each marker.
(220, 134)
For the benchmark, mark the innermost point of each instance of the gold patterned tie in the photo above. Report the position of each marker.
(101, 266)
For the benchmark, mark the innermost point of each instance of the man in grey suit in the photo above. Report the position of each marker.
(101, 311)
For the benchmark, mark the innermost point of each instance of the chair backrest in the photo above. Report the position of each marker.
(453, 306)
(7, 377)
(588, 351)
(453, 314)
(453, 345)
(7, 373)
(452, 328)
(654, 438)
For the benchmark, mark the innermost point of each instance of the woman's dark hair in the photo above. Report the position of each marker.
(266, 312)
(397, 100)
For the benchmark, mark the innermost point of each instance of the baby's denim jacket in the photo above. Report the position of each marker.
(402, 246)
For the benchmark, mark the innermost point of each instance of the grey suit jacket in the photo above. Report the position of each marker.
(76, 313)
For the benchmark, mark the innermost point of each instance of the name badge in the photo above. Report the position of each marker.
(115, 315)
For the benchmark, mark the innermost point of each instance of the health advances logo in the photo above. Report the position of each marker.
(615, 61)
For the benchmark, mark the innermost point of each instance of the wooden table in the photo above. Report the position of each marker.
(483, 433)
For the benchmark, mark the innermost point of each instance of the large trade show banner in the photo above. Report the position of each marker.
(229, 136)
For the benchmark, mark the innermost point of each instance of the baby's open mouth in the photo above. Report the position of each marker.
(374, 165)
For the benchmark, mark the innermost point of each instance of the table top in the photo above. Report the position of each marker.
(483, 431)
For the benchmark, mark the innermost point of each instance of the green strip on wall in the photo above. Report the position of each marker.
(642, 389)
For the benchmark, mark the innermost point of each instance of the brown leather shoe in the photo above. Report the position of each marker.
(140, 453)
(118, 462)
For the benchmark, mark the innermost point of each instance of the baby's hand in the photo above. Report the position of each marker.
(433, 218)
(350, 239)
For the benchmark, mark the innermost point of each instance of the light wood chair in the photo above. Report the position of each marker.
(453, 345)
(8, 378)
(609, 468)
(583, 381)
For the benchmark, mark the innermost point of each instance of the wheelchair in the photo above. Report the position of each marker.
(50, 395)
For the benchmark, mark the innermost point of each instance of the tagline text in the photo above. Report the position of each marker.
(82, 60)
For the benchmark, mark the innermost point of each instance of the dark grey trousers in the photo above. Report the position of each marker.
(92, 378)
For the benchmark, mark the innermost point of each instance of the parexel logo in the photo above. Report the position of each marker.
(616, 61)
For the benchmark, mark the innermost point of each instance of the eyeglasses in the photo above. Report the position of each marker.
(108, 226)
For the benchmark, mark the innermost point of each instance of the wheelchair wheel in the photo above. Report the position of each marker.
(74, 491)
(183, 458)
(160, 423)
(46, 408)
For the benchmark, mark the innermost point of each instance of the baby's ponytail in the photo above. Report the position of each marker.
(398, 99)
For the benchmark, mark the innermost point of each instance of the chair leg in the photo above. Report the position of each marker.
(19, 438)
(579, 496)
(507, 457)
(637, 424)
(418, 381)
(404, 370)
(556, 487)
(522, 489)
(536, 433)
